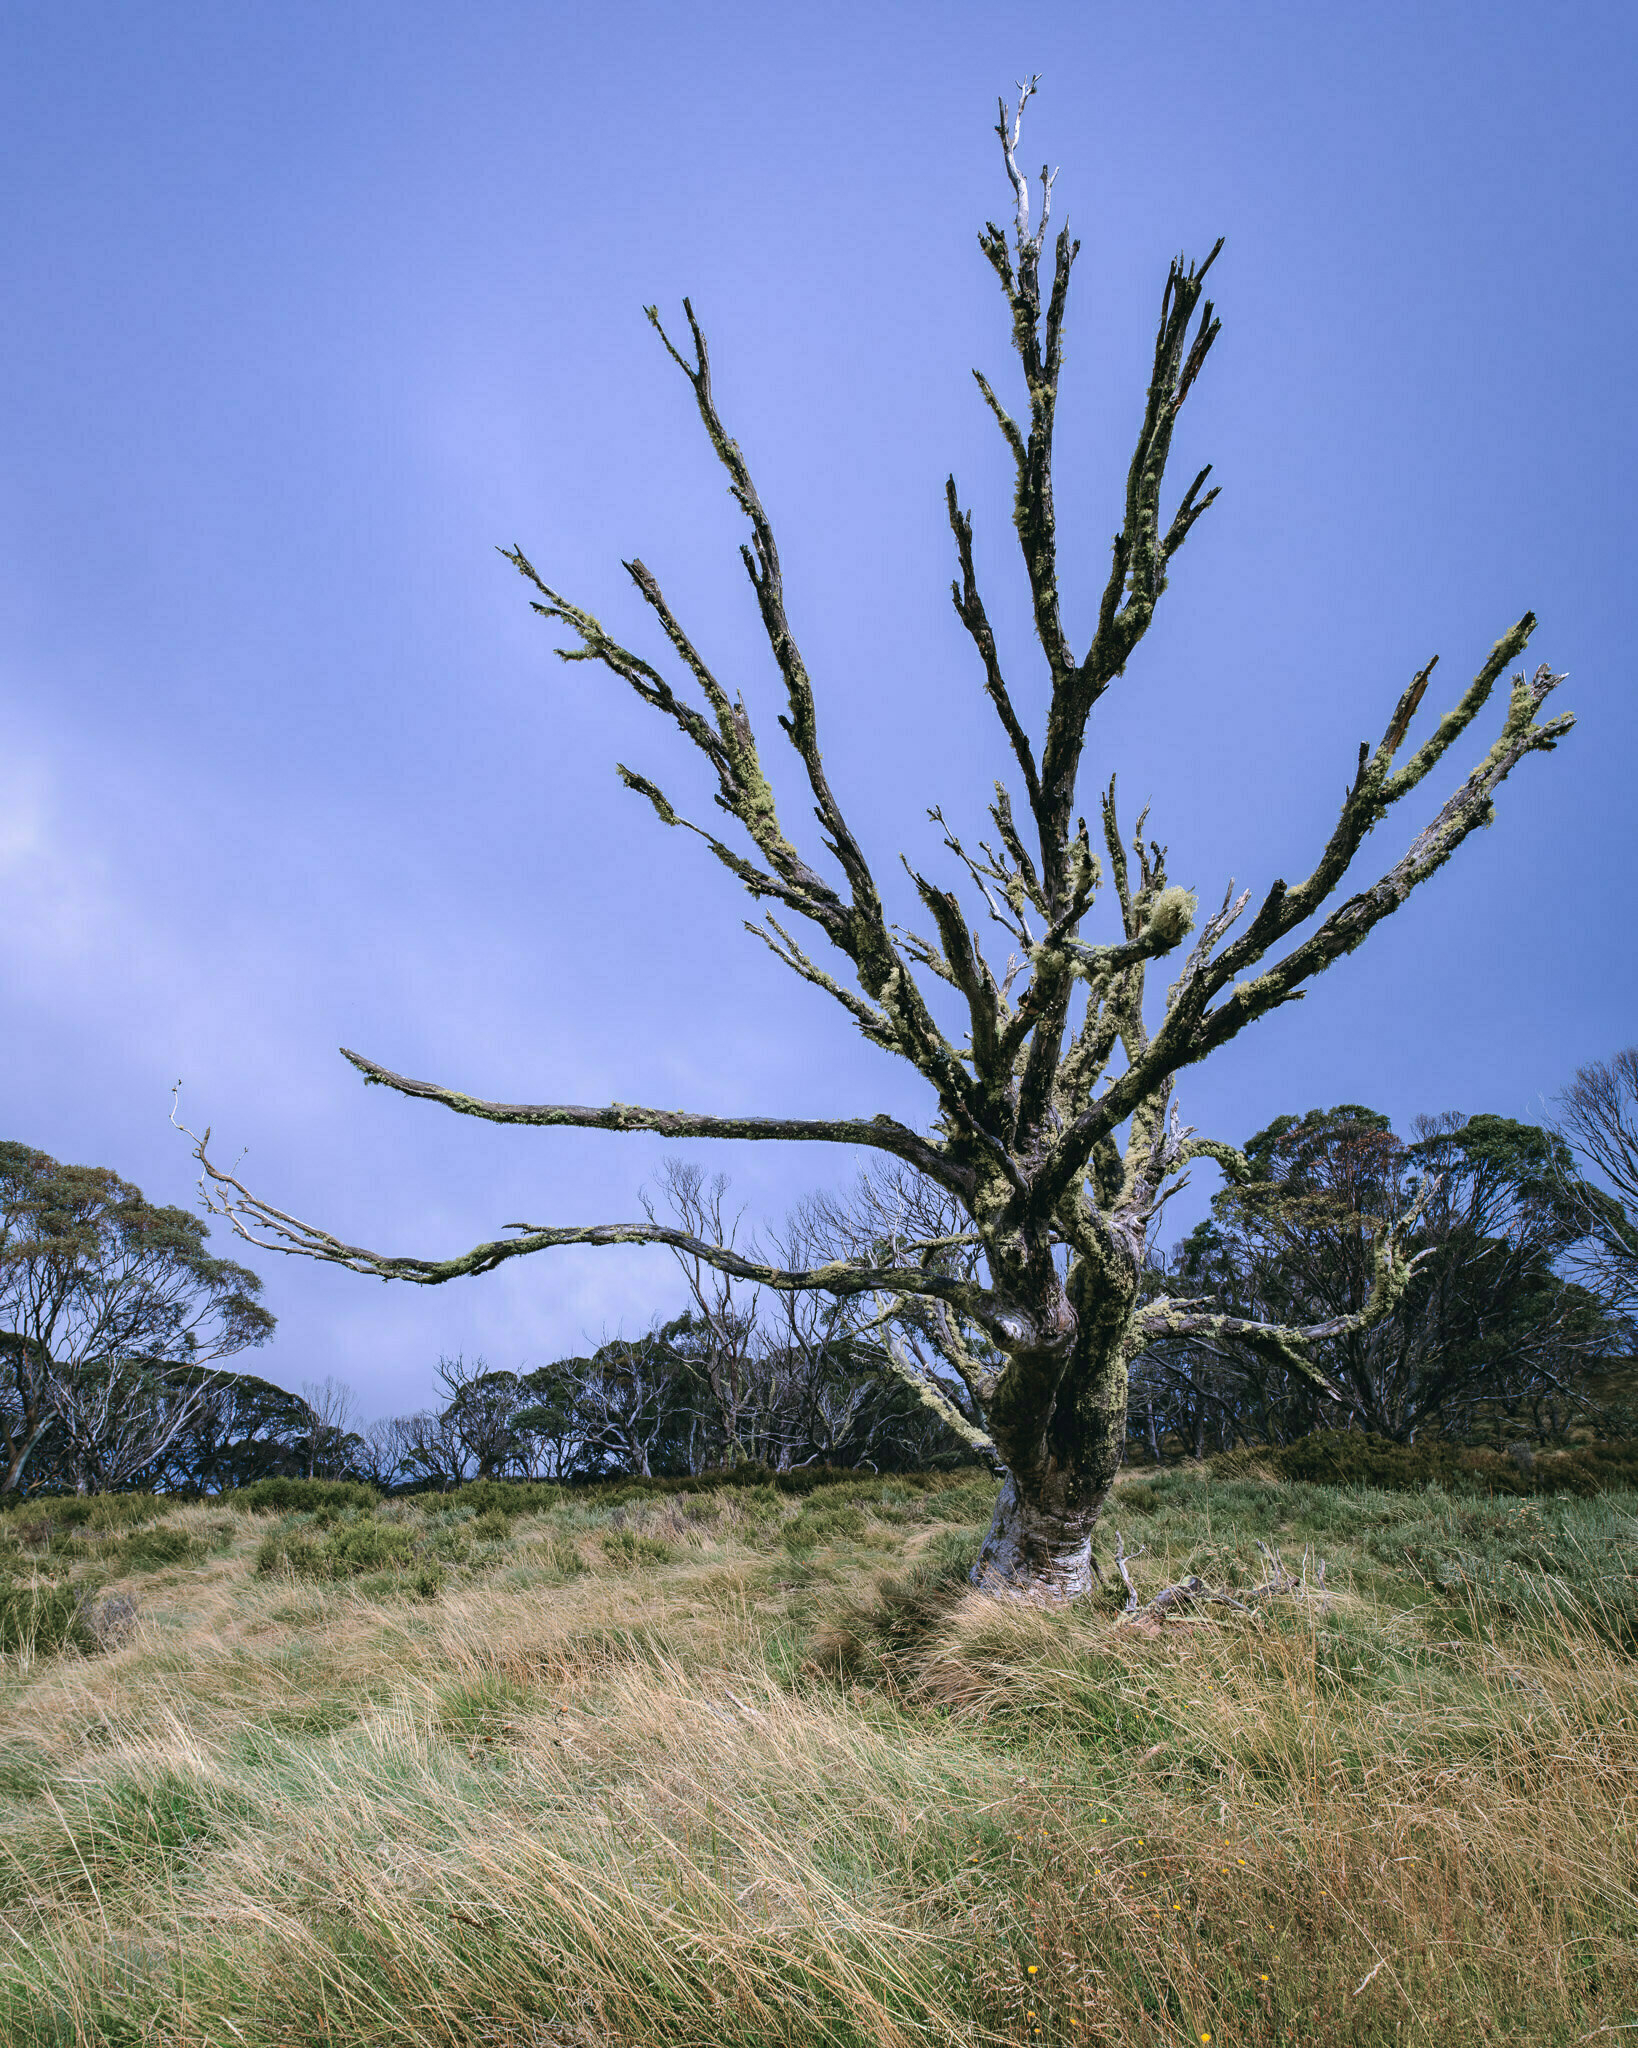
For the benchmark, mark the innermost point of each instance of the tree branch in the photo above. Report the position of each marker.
(1137, 574)
(880, 1133)
(225, 1196)
(932, 1396)
(970, 610)
(1285, 1343)
(1190, 1032)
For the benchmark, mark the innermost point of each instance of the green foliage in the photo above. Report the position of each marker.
(102, 1511)
(110, 1305)
(350, 1548)
(1487, 1327)
(283, 1496)
(1353, 1458)
(625, 1550)
(507, 1496)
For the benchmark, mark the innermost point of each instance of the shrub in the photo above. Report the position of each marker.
(89, 1510)
(344, 1552)
(285, 1551)
(284, 1496)
(1352, 1458)
(368, 1546)
(507, 1496)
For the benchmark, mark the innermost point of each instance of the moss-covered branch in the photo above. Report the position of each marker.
(1287, 1344)
(880, 1133)
(271, 1229)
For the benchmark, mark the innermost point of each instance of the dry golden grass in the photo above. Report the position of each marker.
(752, 1792)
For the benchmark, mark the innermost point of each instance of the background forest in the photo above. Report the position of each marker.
(1516, 1331)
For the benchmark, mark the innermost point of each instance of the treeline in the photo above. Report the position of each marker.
(1518, 1324)
(673, 1403)
(1515, 1326)
(113, 1317)
(667, 1404)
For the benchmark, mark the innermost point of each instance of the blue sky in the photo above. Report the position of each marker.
(311, 308)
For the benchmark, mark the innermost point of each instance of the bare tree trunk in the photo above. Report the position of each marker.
(1061, 1454)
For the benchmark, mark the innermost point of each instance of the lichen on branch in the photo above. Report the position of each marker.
(1052, 1125)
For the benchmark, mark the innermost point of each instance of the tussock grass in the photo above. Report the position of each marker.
(744, 1766)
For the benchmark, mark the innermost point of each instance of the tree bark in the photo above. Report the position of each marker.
(1062, 1448)
(1034, 1295)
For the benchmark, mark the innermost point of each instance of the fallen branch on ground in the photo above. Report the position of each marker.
(1194, 1592)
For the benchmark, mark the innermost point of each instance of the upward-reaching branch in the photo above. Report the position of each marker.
(896, 1014)
(761, 560)
(1058, 1162)
(1191, 1029)
(1141, 553)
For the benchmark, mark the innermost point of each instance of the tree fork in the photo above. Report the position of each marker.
(1054, 1139)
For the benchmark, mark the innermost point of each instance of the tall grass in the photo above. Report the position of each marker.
(741, 1767)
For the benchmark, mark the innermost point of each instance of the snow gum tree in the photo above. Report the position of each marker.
(1054, 1137)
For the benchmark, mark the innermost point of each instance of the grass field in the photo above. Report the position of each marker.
(736, 1767)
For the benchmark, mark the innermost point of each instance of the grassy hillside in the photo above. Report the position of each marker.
(738, 1767)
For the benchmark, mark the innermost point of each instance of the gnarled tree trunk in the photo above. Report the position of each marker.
(1053, 1138)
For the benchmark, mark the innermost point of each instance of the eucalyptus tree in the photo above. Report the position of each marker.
(111, 1311)
(632, 1400)
(1491, 1326)
(1053, 1127)
(1600, 1120)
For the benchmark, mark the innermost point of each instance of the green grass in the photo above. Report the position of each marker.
(752, 1764)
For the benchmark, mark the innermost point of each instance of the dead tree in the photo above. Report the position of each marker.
(1053, 1129)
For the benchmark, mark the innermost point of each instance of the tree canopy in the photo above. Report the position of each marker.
(111, 1309)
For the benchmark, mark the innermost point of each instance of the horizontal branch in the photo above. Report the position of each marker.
(227, 1197)
(1286, 1343)
(881, 1133)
